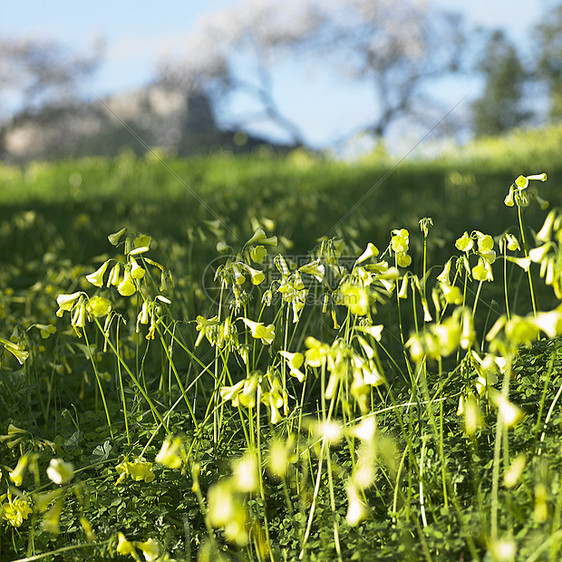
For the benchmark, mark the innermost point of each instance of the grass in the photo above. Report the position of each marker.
(384, 389)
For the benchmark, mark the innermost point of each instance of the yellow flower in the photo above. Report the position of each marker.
(356, 508)
(509, 412)
(276, 398)
(452, 294)
(328, 430)
(140, 244)
(538, 254)
(365, 469)
(245, 473)
(150, 549)
(403, 260)
(261, 237)
(51, 519)
(400, 240)
(256, 276)
(258, 253)
(366, 429)
(16, 475)
(248, 395)
(511, 241)
(317, 352)
(520, 330)
(314, 268)
(113, 278)
(514, 472)
(126, 286)
(541, 505)
(464, 243)
(96, 278)
(370, 251)
(472, 415)
(16, 349)
(280, 456)
(98, 307)
(355, 298)
(232, 393)
(443, 277)
(125, 547)
(66, 302)
(485, 242)
(86, 525)
(482, 271)
(550, 322)
(523, 263)
(545, 233)
(137, 272)
(143, 316)
(14, 436)
(60, 472)
(509, 200)
(539, 177)
(225, 509)
(137, 470)
(239, 277)
(294, 361)
(206, 328)
(521, 182)
(15, 511)
(116, 237)
(374, 331)
(503, 550)
(259, 331)
(169, 453)
(79, 315)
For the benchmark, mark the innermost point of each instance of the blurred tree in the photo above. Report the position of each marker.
(549, 53)
(501, 106)
(396, 46)
(40, 77)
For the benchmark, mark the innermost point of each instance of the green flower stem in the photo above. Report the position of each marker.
(548, 416)
(544, 392)
(216, 377)
(526, 252)
(260, 472)
(325, 418)
(333, 505)
(62, 550)
(442, 446)
(121, 387)
(172, 367)
(500, 428)
(477, 298)
(505, 292)
(299, 424)
(102, 394)
(155, 412)
(422, 501)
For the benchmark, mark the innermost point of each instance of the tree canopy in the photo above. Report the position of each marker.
(394, 46)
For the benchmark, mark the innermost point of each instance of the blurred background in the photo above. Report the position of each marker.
(340, 76)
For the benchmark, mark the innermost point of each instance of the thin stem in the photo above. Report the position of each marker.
(102, 394)
(526, 251)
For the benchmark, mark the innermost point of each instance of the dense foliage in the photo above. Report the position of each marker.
(265, 358)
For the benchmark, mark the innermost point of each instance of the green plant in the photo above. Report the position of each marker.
(348, 403)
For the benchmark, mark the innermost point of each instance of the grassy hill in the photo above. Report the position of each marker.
(227, 379)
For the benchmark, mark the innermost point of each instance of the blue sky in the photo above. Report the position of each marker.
(139, 32)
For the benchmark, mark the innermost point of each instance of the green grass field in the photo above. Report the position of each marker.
(283, 358)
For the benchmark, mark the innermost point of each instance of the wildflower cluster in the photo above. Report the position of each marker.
(481, 245)
(347, 403)
(125, 277)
